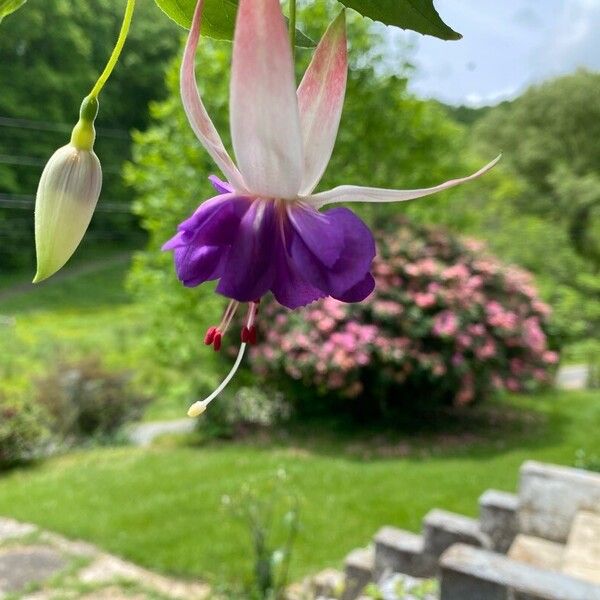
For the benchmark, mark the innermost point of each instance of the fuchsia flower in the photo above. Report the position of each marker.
(265, 230)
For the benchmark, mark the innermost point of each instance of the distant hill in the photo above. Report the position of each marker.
(469, 115)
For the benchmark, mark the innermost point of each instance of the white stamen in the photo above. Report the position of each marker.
(199, 407)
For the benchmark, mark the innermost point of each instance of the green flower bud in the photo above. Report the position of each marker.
(67, 196)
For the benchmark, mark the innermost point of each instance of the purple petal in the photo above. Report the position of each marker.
(290, 288)
(176, 241)
(221, 186)
(318, 232)
(250, 268)
(358, 292)
(197, 264)
(358, 253)
(353, 265)
(216, 221)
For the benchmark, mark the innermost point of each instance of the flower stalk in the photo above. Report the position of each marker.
(116, 53)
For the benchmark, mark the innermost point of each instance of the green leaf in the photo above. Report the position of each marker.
(418, 15)
(218, 19)
(9, 6)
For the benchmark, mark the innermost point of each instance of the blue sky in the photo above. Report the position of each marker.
(507, 45)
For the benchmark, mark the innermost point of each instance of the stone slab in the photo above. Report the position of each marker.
(11, 529)
(327, 583)
(442, 529)
(358, 568)
(399, 551)
(473, 573)
(498, 518)
(23, 566)
(550, 496)
(573, 377)
(537, 551)
(108, 569)
(582, 553)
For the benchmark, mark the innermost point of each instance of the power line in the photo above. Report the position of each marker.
(33, 161)
(27, 202)
(58, 127)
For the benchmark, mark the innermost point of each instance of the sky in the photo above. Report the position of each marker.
(507, 46)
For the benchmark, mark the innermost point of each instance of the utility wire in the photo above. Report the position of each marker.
(33, 161)
(59, 127)
(27, 202)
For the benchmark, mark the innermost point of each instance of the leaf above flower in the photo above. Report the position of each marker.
(218, 18)
(418, 15)
(9, 6)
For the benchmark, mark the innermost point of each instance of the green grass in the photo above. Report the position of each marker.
(84, 309)
(161, 507)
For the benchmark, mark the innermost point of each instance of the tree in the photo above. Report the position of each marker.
(550, 139)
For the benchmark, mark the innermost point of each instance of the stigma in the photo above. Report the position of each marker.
(214, 337)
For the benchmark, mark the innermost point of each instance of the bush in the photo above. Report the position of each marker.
(447, 325)
(23, 431)
(246, 411)
(85, 400)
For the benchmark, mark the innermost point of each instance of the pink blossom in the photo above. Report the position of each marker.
(424, 300)
(445, 324)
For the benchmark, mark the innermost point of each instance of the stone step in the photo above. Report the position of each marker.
(538, 552)
(358, 569)
(498, 518)
(473, 573)
(582, 553)
(442, 529)
(399, 551)
(550, 496)
(328, 583)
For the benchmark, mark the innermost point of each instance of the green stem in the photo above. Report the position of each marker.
(293, 26)
(114, 57)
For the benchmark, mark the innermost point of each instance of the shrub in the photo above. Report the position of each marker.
(447, 325)
(86, 400)
(246, 411)
(23, 431)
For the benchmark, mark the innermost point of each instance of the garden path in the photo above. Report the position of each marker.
(143, 434)
(39, 565)
(573, 377)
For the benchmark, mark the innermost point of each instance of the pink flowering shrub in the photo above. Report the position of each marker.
(447, 325)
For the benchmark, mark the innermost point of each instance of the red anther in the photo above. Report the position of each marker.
(245, 335)
(252, 335)
(217, 342)
(210, 335)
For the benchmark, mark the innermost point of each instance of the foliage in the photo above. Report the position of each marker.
(549, 136)
(169, 170)
(23, 430)
(447, 325)
(245, 411)
(271, 516)
(161, 508)
(403, 587)
(220, 16)
(8, 7)
(590, 462)
(85, 400)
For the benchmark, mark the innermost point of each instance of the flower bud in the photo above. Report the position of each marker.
(67, 195)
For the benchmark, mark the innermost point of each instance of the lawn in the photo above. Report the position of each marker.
(85, 309)
(161, 506)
